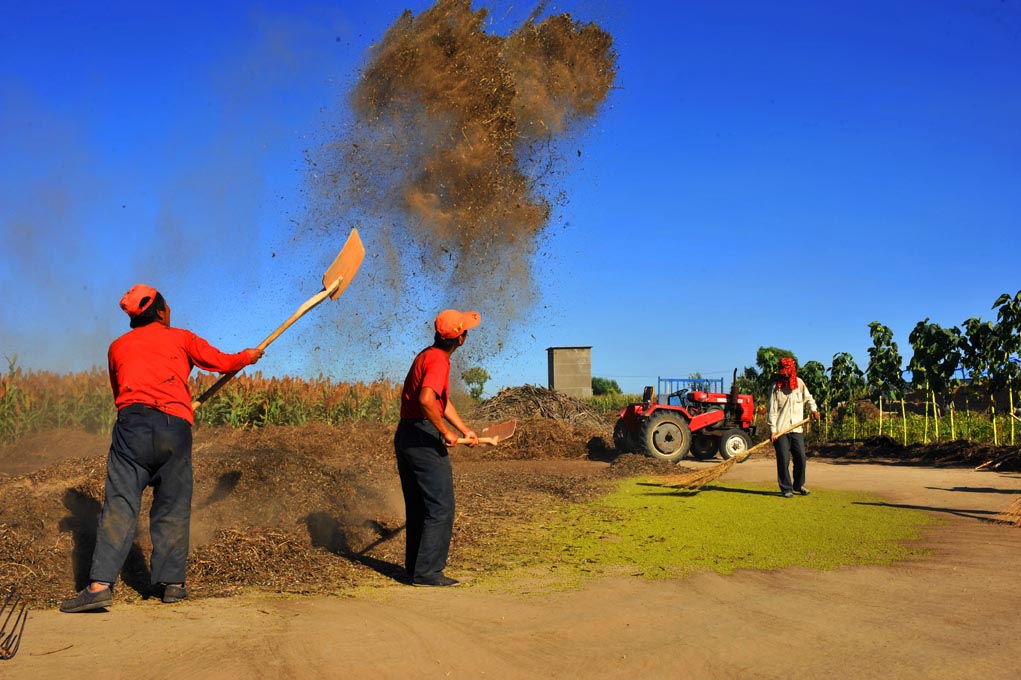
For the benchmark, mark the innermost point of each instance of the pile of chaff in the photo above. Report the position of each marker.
(529, 401)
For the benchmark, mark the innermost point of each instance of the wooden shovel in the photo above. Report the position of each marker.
(335, 281)
(494, 434)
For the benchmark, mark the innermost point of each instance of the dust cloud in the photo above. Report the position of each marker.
(182, 185)
(451, 163)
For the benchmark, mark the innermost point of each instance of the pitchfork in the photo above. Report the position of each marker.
(13, 608)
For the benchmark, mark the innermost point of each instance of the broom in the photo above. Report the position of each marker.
(696, 480)
(1012, 515)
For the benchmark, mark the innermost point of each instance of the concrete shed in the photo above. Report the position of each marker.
(570, 370)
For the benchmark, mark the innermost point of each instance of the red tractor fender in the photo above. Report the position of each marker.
(633, 415)
(707, 419)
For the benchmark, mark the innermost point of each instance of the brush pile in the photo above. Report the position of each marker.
(296, 509)
(530, 401)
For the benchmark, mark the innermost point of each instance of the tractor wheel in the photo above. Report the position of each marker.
(624, 440)
(703, 447)
(666, 436)
(733, 443)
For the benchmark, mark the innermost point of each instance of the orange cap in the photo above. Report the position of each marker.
(450, 323)
(138, 299)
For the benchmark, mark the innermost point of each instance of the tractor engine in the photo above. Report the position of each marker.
(740, 415)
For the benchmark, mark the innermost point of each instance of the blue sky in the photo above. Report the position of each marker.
(773, 174)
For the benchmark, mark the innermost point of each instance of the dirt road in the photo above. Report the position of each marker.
(952, 615)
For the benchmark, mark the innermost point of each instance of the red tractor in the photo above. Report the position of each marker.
(701, 422)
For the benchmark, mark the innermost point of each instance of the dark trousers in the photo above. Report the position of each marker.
(788, 446)
(149, 448)
(427, 481)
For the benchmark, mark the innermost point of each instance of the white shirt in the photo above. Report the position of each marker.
(788, 407)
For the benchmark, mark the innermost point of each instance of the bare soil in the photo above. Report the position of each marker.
(298, 536)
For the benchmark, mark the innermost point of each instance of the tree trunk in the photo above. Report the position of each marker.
(880, 414)
(992, 417)
(925, 430)
(826, 422)
(904, 420)
(1010, 395)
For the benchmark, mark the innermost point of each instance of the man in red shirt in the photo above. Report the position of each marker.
(421, 443)
(151, 446)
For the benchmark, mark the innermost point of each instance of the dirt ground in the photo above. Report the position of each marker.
(951, 615)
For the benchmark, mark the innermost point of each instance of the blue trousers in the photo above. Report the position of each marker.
(790, 445)
(427, 481)
(149, 448)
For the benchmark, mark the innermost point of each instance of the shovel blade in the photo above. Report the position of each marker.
(500, 431)
(346, 264)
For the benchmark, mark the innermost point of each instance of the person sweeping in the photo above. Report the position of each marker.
(787, 402)
(151, 446)
(420, 444)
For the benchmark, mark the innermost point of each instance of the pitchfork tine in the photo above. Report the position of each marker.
(14, 607)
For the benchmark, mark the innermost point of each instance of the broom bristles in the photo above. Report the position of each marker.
(1012, 515)
(697, 480)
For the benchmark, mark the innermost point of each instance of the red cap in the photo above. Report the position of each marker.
(450, 323)
(138, 299)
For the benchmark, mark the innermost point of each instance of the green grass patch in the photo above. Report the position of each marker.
(646, 529)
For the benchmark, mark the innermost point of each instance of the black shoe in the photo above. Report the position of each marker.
(441, 582)
(87, 601)
(788, 494)
(803, 491)
(173, 593)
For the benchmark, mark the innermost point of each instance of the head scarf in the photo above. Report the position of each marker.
(788, 379)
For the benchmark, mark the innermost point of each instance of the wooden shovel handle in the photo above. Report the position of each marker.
(301, 311)
(492, 441)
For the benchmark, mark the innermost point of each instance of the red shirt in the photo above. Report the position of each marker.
(150, 366)
(431, 368)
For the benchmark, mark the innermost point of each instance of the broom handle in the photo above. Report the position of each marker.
(748, 451)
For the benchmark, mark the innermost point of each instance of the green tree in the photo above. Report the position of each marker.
(935, 358)
(884, 369)
(980, 346)
(475, 378)
(1008, 327)
(847, 385)
(748, 383)
(814, 375)
(760, 382)
(604, 386)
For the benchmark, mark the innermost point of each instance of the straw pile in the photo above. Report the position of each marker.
(529, 401)
(297, 509)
